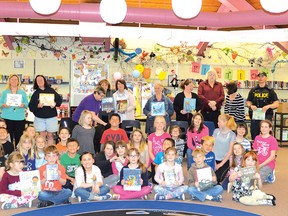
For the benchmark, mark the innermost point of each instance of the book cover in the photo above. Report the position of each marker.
(247, 174)
(14, 100)
(107, 104)
(52, 172)
(158, 108)
(169, 177)
(258, 114)
(46, 99)
(121, 105)
(189, 104)
(204, 174)
(132, 179)
(30, 182)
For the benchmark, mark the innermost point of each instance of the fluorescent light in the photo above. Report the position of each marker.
(275, 6)
(113, 11)
(186, 9)
(45, 7)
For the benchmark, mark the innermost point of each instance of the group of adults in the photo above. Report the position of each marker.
(209, 100)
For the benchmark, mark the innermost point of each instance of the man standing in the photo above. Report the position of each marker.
(211, 94)
(261, 97)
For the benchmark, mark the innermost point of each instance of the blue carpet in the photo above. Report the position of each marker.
(163, 207)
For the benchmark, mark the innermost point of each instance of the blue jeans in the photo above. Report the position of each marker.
(201, 195)
(85, 193)
(173, 191)
(111, 180)
(189, 158)
(57, 197)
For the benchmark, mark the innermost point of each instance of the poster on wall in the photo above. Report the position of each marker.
(228, 74)
(253, 74)
(204, 69)
(240, 74)
(195, 67)
(219, 72)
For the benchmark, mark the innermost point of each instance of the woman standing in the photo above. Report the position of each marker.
(14, 113)
(181, 113)
(104, 115)
(45, 112)
(124, 100)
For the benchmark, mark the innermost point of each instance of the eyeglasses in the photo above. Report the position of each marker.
(133, 156)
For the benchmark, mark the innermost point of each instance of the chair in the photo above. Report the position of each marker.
(183, 125)
(128, 126)
(67, 122)
(210, 126)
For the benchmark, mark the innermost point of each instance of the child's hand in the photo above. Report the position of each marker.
(218, 166)
(257, 176)
(59, 174)
(114, 158)
(72, 181)
(163, 183)
(122, 182)
(196, 184)
(95, 189)
(141, 181)
(40, 105)
(53, 105)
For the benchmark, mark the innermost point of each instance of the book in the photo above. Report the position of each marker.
(132, 179)
(204, 177)
(52, 172)
(247, 174)
(107, 104)
(46, 99)
(14, 100)
(189, 104)
(30, 182)
(258, 114)
(121, 105)
(158, 109)
(169, 177)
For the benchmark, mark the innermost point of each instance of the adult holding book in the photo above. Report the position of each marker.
(43, 105)
(186, 103)
(105, 112)
(13, 103)
(211, 94)
(124, 101)
(158, 99)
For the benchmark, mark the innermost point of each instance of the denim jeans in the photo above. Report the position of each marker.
(111, 180)
(84, 193)
(57, 197)
(189, 158)
(201, 195)
(173, 191)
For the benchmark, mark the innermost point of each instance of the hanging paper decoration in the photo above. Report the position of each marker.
(228, 74)
(117, 75)
(162, 75)
(147, 73)
(204, 69)
(234, 55)
(139, 67)
(253, 74)
(240, 75)
(195, 67)
(219, 72)
(269, 51)
(136, 73)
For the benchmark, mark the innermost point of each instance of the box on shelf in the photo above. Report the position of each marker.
(283, 107)
(284, 134)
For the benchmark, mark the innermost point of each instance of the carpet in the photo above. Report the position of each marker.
(119, 208)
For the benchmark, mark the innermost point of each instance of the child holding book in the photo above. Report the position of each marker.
(40, 144)
(266, 146)
(88, 181)
(71, 161)
(195, 132)
(121, 161)
(53, 177)
(247, 181)
(155, 141)
(10, 190)
(114, 133)
(169, 176)
(64, 135)
(85, 132)
(137, 140)
(202, 181)
(241, 132)
(175, 132)
(160, 156)
(6, 148)
(134, 164)
(26, 148)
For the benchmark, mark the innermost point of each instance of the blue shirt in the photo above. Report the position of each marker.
(210, 159)
(159, 158)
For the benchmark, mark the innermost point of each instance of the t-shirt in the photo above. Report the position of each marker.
(159, 158)
(94, 176)
(222, 143)
(210, 159)
(61, 149)
(157, 141)
(264, 146)
(30, 164)
(70, 164)
(114, 135)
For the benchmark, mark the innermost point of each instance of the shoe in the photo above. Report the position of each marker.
(43, 204)
(67, 201)
(79, 199)
(217, 198)
(193, 197)
(182, 197)
(271, 178)
(159, 197)
(145, 197)
(270, 197)
(266, 202)
(229, 187)
(116, 196)
(28, 205)
(108, 196)
(9, 205)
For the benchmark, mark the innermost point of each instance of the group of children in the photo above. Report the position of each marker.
(213, 162)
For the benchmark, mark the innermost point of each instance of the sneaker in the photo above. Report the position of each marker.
(43, 204)
(108, 196)
(145, 197)
(28, 205)
(159, 197)
(217, 198)
(271, 178)
(266, 202)
(9, 205)
(270, 197)
(193, 197)
(116, 196)
(229, 187)
(79, 199)
(182, 197)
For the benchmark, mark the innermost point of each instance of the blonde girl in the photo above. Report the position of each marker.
(85, 132)
(223, 147)
(155, 141)
(134, 163)
(169, 176)
(64, 135)
(10, 185)
(266, 146)
(121, 161)
(138, 141)
(26, 149)
(40, 144)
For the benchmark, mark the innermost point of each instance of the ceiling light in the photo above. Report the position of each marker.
(273, 6)
(186, 9)
(45, 7)
(113, 11)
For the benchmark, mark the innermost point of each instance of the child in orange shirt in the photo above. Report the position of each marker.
(64, 135)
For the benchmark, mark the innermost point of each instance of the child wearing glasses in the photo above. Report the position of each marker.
(10, 185)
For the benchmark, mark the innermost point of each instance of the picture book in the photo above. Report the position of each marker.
(52, 172)
(169, 177)
(46, 99)
(132, 179)
(247, 174)
(258, 114)
(189, 104)
(158, 108)
(107, 104)
(30, 182)
(121, 105)
(14, 100)
(204, 177)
